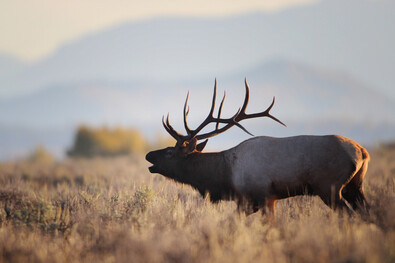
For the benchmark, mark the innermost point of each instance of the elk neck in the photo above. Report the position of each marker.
(208, 173)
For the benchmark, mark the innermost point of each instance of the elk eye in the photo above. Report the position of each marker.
(169, 153)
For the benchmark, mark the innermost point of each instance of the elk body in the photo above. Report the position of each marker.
(262, 170)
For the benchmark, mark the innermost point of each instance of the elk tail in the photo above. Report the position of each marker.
(365, 154)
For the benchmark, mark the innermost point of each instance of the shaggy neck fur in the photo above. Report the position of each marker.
(208, 173)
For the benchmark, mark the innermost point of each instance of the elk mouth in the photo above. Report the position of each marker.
(153, 168)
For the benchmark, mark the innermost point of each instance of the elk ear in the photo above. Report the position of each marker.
(201, 145)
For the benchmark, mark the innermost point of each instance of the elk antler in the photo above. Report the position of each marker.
(230, 122)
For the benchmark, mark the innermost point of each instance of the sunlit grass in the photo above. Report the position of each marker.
(114, 210)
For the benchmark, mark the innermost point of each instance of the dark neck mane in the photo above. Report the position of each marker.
(208, 173)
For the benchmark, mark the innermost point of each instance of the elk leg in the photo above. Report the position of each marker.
(355, 197)
(270, 208)
(338, 204)
(248, 207)
(353, 191)
(333, 198)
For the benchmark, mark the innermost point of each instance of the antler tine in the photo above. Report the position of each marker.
(265, 114)
(246, 99)
(220, 110)
(230, 122)
(167, 128)
(170, 129)
(239, 116)
(209, 117)
(243, 115)
(214, 98)
(186, 112)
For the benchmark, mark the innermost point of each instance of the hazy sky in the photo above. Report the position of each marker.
(32, 29)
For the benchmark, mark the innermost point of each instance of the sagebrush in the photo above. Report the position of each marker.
(114, 210)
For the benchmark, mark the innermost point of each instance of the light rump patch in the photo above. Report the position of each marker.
(262, 170)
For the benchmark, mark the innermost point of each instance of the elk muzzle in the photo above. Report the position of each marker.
(150, 157)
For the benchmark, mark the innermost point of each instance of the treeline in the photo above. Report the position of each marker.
(106, 141)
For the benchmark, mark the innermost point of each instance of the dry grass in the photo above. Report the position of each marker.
(113, 210)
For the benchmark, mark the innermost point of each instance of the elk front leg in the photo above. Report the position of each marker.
(270, 208)
(247, 206)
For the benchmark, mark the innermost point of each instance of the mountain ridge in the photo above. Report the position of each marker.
(306, 91)
(10, 65)
(307, 100)
(332, 34)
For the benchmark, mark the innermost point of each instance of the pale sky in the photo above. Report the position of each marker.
(33, 29)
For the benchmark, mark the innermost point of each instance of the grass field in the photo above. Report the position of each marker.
(114, 210)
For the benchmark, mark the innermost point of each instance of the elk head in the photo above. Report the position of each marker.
(171, 160)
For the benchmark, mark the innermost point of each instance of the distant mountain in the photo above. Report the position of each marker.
(354, 36)
(9, 67)
(312, 93)
(135, 73)
(309, 100)
(17, 142)
(303, 93)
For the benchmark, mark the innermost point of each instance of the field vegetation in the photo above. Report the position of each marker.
(114, 210)
(109, 142)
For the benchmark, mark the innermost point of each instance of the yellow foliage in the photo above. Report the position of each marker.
(41, 155)
(105, 141)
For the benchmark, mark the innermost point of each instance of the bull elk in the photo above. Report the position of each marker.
(261, 170)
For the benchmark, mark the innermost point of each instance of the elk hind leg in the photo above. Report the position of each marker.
(353, 191)
(333, 198)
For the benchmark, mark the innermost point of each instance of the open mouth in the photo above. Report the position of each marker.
(153, 169)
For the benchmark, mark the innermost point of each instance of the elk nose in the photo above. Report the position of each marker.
(148, 157)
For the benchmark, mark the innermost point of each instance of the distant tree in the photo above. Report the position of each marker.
(40, 155)
(106, 141)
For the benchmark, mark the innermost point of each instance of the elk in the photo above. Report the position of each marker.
(261, 170)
